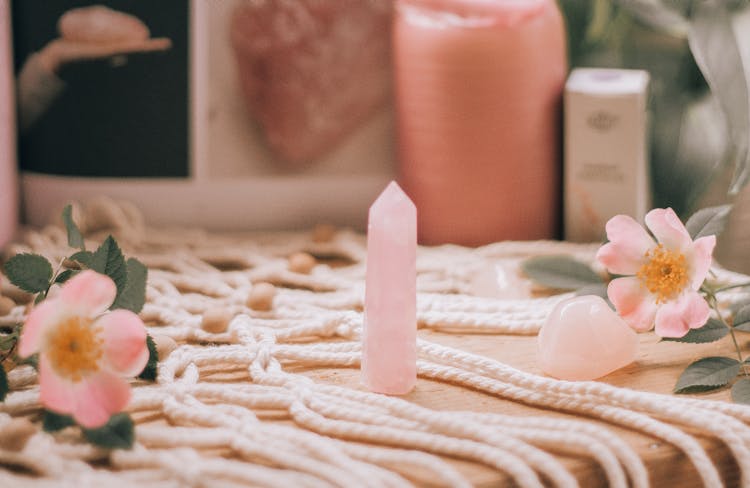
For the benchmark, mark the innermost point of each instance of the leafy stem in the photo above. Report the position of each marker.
(713, 302)
(42, 295)
(732, 287)
(13, 336)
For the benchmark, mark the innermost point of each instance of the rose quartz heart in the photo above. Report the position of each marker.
(312, 71)
(584, 339)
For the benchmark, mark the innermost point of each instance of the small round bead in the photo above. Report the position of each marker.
(301, 262)
(323, 233)
(70, 264)
(6, 306)
(216, 320)
(16, 294)
(15, 434)
(164, 345)
(261, 296)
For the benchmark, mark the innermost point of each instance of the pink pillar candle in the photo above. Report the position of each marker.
(389, 338)
(478, 90)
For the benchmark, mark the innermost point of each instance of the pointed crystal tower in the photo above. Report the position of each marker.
(389, 338)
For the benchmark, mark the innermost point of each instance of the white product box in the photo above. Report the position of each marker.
(606, 162)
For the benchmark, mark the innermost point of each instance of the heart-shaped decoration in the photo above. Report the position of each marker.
(312, 71)
(584, 339)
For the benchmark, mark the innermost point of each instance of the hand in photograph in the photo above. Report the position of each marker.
(86, 34)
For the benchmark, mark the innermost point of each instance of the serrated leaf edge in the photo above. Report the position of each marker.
(709, 386)
(720, 213)
(528, 268)
(75, 237)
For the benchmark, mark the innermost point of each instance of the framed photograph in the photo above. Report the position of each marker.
(231, 114)
(8, 176)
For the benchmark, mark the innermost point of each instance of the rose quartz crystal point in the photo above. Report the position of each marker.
(389, 338)
(584, 339)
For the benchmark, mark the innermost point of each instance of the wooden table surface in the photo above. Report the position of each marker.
(658, 366)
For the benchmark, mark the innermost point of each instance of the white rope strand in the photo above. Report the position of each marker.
(240, 407)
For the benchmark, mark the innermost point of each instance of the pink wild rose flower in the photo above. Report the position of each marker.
(661, 289)
(85, 353)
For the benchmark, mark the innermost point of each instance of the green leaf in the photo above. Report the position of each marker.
(32, 361)
(560, 272)
(708, 221)
(66, 275)
(75, 238)
(741, 391)
(742, 319)
(707, 374)
(7, 341)
(115, 267)
(716, 50)
(3, 383)
(117, 433)
(29, 272)
(84, 258)
(133, 297)
(150, 371)
(52, 422)
(657, 15)
(108, 260)
(711, 332)
(699, 150)
(577, 17)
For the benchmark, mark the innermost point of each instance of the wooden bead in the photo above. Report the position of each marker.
(70, 264)
(15, 434)
(16, 294)
(301, 262)
(164, 345)
(323, 233)
(6, 305)
(261, 296)
(216, 320)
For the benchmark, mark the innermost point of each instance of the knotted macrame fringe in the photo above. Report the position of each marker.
(223, 433)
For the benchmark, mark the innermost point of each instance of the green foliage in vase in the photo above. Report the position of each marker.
(700, 111)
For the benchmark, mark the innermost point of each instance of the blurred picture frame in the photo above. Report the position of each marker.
(226, 173)
(9, 196)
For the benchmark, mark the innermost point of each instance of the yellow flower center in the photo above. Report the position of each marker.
(665, 273)
(74, 348)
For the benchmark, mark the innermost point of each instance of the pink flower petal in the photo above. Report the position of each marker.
(98, 397)
(676, 318)
(42, 316)
(629, 243)
(89, 293)
(668, 229)
(55, 393)
(699, 260)
(633, 302)
(124, 337)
